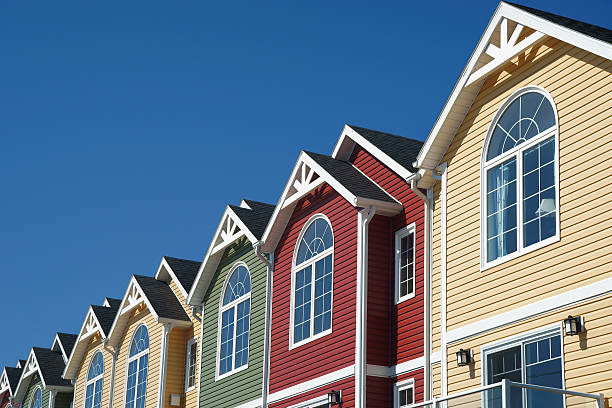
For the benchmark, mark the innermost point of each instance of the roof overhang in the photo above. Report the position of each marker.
(307, 175)
(31, 367)
(346, 144)
(57, 344)
(90, 327)
(496, 47)
(230, 229)
(165, 273)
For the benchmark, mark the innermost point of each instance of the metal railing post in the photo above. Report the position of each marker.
(600, 401)
(436, 404)
(505, 393)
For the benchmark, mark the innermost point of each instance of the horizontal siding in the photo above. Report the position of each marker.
(334, 351)
(35, 382)
(418, 378)
(94, 345)
(347, 386)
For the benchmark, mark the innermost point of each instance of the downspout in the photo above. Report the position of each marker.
(200, 351)
(363, 219)
(164, 363)
(267, 325)
(114, 352)
(428, 380)
(443, 249)
(52, 394)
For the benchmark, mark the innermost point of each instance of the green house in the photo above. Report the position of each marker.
(231, 287)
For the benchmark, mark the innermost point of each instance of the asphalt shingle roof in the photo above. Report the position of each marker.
(106, 315)
(600, 33)
(401, 149)
(256, 219)
(185, 270)
(162, 298)
(68, 341)
(13, 375)
(351, 178)
(51, 365)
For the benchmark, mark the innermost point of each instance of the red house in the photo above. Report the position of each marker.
(347, 296)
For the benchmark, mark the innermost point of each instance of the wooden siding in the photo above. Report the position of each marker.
(34, 383)
(333, 351)
(419, 386)
(405, 333)
(245, 385)
(94, 344)
(587, 357)
(63, 400)
(379, 392)
(138, 316)
(347, 386)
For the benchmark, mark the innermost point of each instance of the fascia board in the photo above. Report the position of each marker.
(67, 374)
(163, 265)
(24, 379)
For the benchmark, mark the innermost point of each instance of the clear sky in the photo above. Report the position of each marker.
(126, 126)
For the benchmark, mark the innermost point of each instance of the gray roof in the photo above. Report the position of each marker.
(68, 341)
(51, 366)
(22, 363)
(351, 178)
(600, 33)
(106, 315)
(162, 298)
(256, 219)
(185, 270)
(401, 149)
(13, 374)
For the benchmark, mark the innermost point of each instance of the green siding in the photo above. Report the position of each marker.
(34, 383)
(63, 400)
(246, 385)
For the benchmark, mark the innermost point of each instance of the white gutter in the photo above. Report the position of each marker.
(268, 323)
(363, 219)
(427, 376)
(163, 363)
(52, 394)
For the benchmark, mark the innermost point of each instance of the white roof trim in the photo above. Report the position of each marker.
(230, 228)
(159, 275)
(5, 385)
(346, 143)
(90, 326)
(448, 122)
(57, 341)
(30, 368)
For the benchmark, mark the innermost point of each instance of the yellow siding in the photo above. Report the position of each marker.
(138, 316)
(436, 380)
(93, 346)
(587, 357)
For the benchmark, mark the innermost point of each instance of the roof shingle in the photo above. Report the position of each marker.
(162, 298)
(185, 270)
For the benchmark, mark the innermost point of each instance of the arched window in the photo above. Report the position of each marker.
(311, 297)
(234, 322)
(36, 399)
(520, 177)
(93, 385)
(138, 362)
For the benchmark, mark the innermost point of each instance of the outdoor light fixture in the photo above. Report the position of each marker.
(334, 397)
(464, 357)
(573, 325)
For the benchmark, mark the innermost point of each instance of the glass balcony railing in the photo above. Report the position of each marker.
(509, 394)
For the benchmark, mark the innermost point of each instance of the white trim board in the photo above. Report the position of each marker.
(584, 293)
(256, 403)
(401, 368)
(310, 385)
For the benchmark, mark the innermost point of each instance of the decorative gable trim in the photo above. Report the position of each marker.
(89, 328)
(4, 383)
(31, 367)
(57, 342)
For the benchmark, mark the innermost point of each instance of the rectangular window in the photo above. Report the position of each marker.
(404, 263)
(501, 210)
(191, 361)
(404, 394)
(535, 360)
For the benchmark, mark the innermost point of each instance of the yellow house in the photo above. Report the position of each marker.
(140, 351)
(516, 167)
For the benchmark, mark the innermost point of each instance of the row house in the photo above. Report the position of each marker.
(8, 383)
(517, 169)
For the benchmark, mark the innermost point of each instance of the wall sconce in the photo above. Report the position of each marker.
(464, 357)
(573, 325)
(334, 398)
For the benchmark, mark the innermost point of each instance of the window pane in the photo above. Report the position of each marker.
(242, 333)
(239, 285)
(131, 384)
(505, 364)
(323, 270)
(501, 210)
(316, 239)
(89, 396)
(301, 318)
(140, 342)
(98, 394)
(142, 381)
(227, 341)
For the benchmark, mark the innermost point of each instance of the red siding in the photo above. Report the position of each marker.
(379, 392)
(406, 331)
(417, 376)
(4, 401)
(336, 350)
(348, 394)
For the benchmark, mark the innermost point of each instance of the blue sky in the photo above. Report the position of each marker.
(126, 127)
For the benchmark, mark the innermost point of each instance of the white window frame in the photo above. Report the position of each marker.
(520, 340)
(295, 268)
(404, 232)
(401, 386)
(93, 380)
(516, 152)
(136, 357)
(232, 304)
(38, 387)
(190, 342)
(313, 403)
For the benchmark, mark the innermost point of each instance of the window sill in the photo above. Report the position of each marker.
(405, 298)
(229, 373)
(488, 265)
(308, 340)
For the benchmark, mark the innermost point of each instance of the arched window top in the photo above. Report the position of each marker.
(317, 238)
(239, 284)
(140, 342)
(527, 114)
(96, 368)
(36, 399)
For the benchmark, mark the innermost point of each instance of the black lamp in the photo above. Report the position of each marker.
(334, 397)
(573, 325)
(464, 357)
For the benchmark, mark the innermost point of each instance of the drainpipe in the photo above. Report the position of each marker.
(114, 352)
(200, 350)
(363, 219)
(195, 310)
(426, 286)
(164, 363)
(268, 323)
(52, 395)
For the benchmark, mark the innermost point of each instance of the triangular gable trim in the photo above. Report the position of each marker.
(230, 229)
(473, 74)
(5, 385)
(158, 275)
(350, 137)
(31, 367)
(57, 341)
(90, 327)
